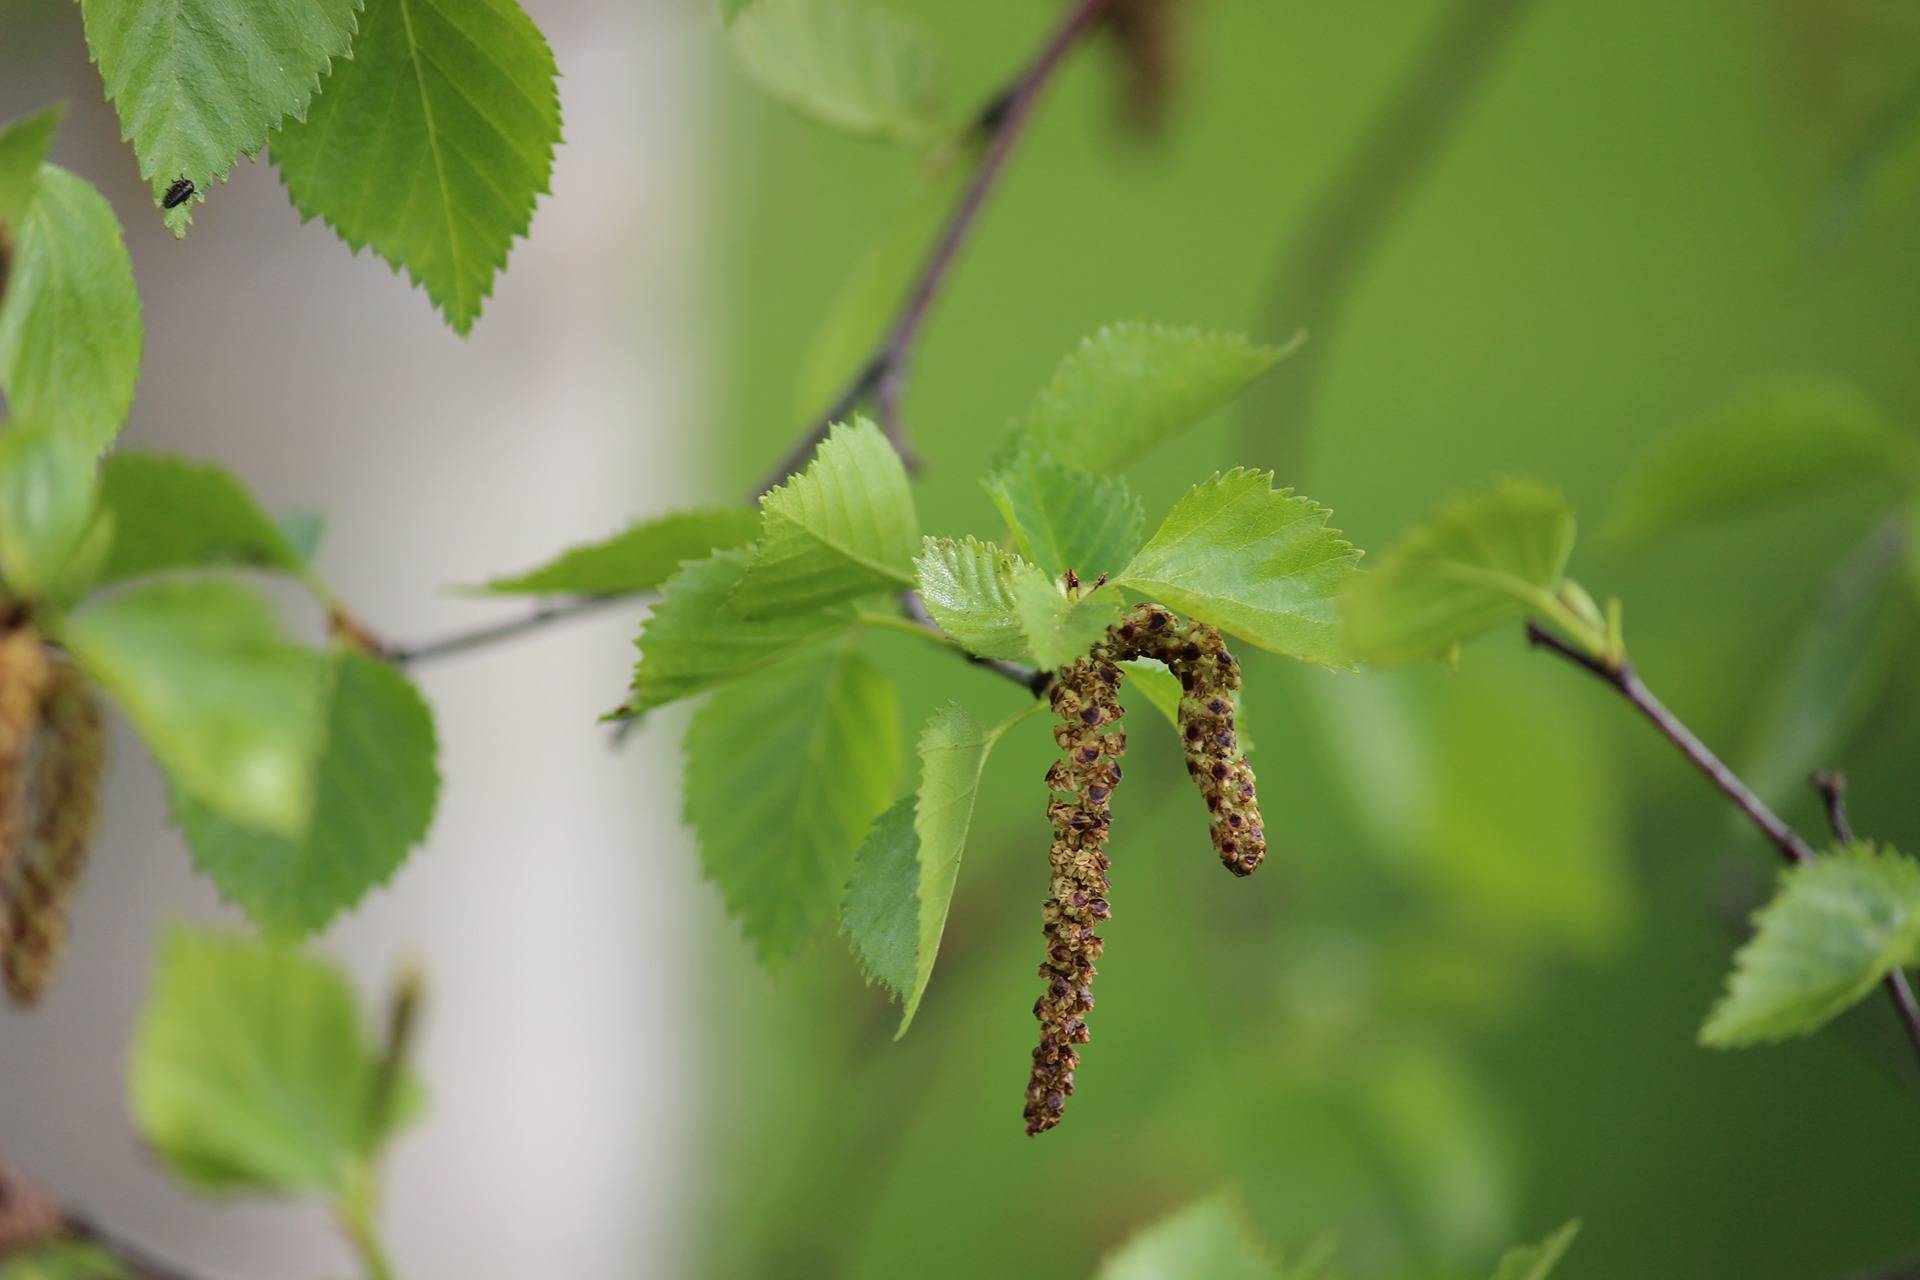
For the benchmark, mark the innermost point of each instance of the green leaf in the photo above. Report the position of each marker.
(1058, 630)
(63, 1260)
(896, 904)
(694, 640)
(172, 513)
(227, 704)
(844, 527)
(70, 319)
(198, 83)
(46, 503)
(251, 1069)
(1211, 1239)
(304, 531)
(1778, 440)
(1067, 519)
(23, 149)
(785, 771)
(431, 143)
(1838, 925)
(968, 588)
(1537, 1261)
(375, 783)
(1481, 561)
(640, 559)
(1133, 385)
(853, 65)
(1256, 562)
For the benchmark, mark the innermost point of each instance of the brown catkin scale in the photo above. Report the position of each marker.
(65, 802)
(1085, 697)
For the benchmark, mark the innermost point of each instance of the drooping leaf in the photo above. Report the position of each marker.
(1057, 629)
(694, 640)
(1833, 673)
(1837, 926)
(1256, 562)
(896, 904)
(1133, 385)
(1481, 561)
(844, 527)
(70, 318)
(1778, 440)
(638, 559)
(65, 1259)
(853, 65)
(375, 783)
(430, 145)
(1537, 1261)
(251, 1069)
(1067, 519)
(227, 704)
(198, 83)
(46, 503)
(785, 772)
(968, 588)
(1211, 1239)
(173, 513)
(23, 149)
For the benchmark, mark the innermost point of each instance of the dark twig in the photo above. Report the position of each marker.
(883, 377)
(1832, 788)
(1351, 216)
(1035, 682)
(1622, 678)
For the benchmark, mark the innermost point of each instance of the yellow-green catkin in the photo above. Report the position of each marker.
(64, 798)
(24, 674)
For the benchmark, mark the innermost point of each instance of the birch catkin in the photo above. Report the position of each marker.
(64, 799)
(24, 673)
(1085, 697)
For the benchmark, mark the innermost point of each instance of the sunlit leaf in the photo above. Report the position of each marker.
(1057, 629)
(638, 559)
(1837, 926)
(1475, 564)
(1256, 562)
(968, 589)
(1067, 519)
(23, 149)
(430, 145)
(173, 513)
(46, 503)
(785, 773)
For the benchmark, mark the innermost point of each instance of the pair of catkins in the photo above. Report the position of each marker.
(1085, 695)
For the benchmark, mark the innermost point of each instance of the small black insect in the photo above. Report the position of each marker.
(178, 194)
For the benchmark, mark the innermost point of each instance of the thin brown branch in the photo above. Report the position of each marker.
(1622, 678)
(1034, 681)
(1353, 214)
(1002, 122)
(1832, 789)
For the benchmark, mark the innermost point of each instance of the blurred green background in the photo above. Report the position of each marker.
(1458, 1006)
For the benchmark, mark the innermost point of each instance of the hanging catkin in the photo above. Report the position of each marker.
(1085, 697)
(64, 799)
(24, 673)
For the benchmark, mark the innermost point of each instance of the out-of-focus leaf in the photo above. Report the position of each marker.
(1211, 1239)
(1067, 519)
(1833, 673)
(1058, 630)
(375, 783)
(639, 559)
(853, 65)
(172, 513)
(1537, 1261)
(1838, 925)
(46, 503)
(1475, 564)
(304, 531)
(251, 1069)
(228, 705)
(198, 83)
(842, 528)
(967, 586)
(1133, 385)
(785, 773)
(694, 640)
(1256, 562)
(70, 319)
(1777, 441)
(63, 1260)
(23, 149)
(431, 144)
